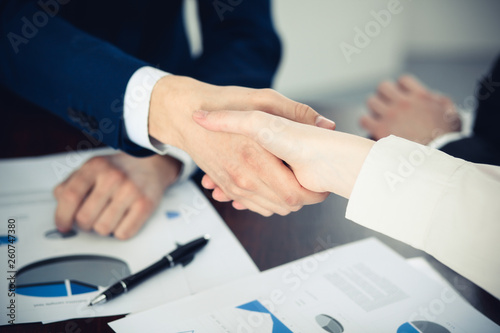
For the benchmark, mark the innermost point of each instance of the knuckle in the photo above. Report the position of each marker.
(71, 195)
(102, 229)
(266, 93)
(384, 85)
(302, 110)
(244, 183)
(405, 78)
(84, 217)
(57, 190)
(124, 233)
(296, 208)
(97, 162)
(234, 191)
(265, 213)
(293, 200)
(129, 188)
(144, 205)
(114, 176)
(259, 97)
(284, 212)
(83, 225)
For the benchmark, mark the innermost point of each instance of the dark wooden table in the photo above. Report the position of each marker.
(270, 241)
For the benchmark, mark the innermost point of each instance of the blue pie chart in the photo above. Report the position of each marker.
(422, 327)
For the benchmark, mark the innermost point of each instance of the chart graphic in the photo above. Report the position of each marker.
(172, 214)
(422, 327)
(256, 306)
(329, 324)
(56, 289)
(69, 275)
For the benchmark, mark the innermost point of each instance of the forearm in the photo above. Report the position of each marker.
(434, 202)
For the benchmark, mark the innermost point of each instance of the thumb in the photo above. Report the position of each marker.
(226, 121)
(282, 106)
(275, 134)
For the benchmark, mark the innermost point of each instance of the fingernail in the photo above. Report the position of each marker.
(325, 123)
(200, 114)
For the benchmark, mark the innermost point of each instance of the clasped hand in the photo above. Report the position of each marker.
(237, 167)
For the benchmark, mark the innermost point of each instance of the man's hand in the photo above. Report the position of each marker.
(239, 167)
(409, 110)
(114, 194)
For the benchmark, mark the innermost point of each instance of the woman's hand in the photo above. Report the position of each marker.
(322, 160)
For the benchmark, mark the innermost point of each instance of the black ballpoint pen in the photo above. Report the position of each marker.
(182, 255)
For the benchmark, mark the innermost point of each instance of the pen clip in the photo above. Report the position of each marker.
(186, 260)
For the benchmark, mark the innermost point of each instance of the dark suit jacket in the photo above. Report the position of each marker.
(484, 145)
(75, 57)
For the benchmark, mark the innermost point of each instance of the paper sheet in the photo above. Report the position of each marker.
(359, 287)
(183, 215)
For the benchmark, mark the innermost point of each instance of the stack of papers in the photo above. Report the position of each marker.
(57, 277)
(359, 287)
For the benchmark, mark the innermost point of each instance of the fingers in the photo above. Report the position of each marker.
(267, 210)
(102, 198)
(219, 195)
(274, 103)
(389, 92)
(106, 185)
(373, 127)
(265, 129)
(113, 215)
(268, 186)
(377, 107)
(227, 121)
(70, 196)
(135, 218)
(410, 84)
(208, 183)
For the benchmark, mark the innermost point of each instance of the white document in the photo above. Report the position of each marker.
(57, 277)
(359, 287)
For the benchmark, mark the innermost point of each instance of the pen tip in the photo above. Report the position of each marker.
(98, 299)
(207, 237)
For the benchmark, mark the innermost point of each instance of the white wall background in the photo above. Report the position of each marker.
(312, 31)
(313, 64)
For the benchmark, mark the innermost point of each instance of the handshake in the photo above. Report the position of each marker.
(259, 149)
(240, 137)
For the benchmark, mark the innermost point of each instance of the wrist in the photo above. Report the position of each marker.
(169, 168)
(172, 99)
(348, 154)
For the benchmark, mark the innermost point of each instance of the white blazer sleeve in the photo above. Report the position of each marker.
(443, 205)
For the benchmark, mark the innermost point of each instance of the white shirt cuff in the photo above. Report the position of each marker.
(444, 139)
(136, 114)
(467, 117)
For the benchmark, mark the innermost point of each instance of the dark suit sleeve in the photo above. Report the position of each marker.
(76, 76)
(487, 120)
(240, 44)
(474, 149)
(484, 145)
